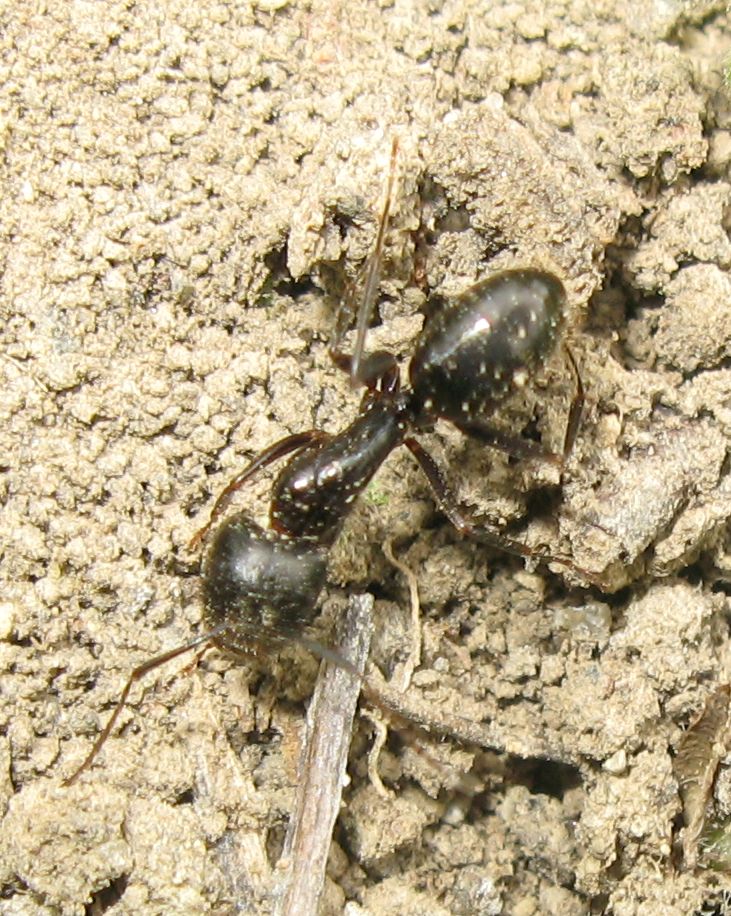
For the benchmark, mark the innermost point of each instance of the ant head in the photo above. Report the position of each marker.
(484, 346)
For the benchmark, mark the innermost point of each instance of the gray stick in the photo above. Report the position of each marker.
(322, 766)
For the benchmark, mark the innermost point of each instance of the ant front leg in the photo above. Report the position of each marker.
(515, 446)
(470, 527)
(576, 411)
(524, 449)
(272, 453)
(376, 371)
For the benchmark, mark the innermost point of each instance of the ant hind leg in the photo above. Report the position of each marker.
(472, 528)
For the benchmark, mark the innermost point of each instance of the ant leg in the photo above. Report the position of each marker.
(525, 449)
(516, 446)
(263, 459)
(371, 283)
(376, 370)
(139, 672)
(468, 526)
(456, 515)
(576, 411)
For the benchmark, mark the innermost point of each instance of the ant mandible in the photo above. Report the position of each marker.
(262, 586)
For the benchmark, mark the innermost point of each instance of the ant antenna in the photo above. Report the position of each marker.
(138, 673)
(311, 645)
(372, 275)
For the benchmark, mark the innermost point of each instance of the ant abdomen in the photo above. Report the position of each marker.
(485, 344)
(262, 586)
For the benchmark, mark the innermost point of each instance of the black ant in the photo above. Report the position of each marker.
(262, 586)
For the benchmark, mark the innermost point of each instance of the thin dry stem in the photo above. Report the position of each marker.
(322, 766)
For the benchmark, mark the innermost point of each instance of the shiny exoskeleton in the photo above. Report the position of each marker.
(260, 586)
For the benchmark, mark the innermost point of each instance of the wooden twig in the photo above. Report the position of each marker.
(322, 766)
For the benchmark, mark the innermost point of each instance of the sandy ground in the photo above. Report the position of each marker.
(187, 192)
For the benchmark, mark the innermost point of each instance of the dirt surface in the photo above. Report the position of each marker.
(187, 192)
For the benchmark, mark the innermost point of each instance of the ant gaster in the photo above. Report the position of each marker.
(262, 586)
